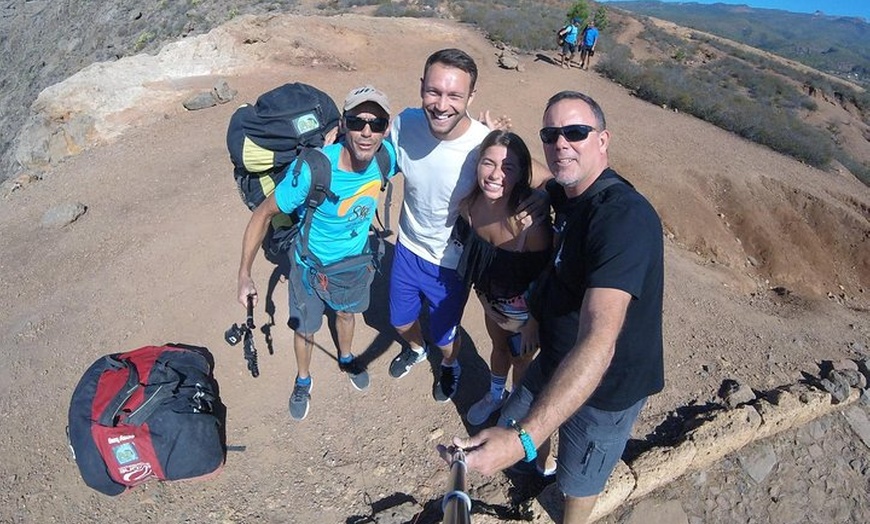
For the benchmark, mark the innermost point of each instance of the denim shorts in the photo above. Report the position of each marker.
(413, 279)
(311, 291)
(591, 441)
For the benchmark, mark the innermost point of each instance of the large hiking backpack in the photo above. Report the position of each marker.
(153, 412)
(287, 123)
(264, 138)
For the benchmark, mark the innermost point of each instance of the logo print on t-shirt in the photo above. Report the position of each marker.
(370, 190)
(361, 212)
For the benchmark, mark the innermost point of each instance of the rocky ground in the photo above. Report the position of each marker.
(766, 278)
(819, 473)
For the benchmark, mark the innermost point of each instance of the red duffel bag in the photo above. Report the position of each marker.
(153, 412)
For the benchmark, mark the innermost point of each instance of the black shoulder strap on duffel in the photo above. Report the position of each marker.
(109, 416)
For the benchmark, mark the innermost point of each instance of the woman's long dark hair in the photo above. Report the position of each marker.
(515, 145)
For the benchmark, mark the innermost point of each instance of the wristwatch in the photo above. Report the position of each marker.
(526, 439)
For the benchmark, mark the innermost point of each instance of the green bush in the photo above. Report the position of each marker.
(859, 169)
(618, 65)
(708, 96)
(522, 24)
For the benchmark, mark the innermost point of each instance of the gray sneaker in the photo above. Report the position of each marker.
(358, 376)
(481, 410)
(407, 358)
(447, 385)
(299, 400)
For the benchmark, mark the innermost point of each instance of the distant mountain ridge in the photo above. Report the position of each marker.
(838, 45)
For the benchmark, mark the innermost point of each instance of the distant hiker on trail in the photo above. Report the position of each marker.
(332, 263)
(599, 308)
(568, 42)
(587, 45)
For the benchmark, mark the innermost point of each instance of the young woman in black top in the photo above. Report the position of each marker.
(501, 257)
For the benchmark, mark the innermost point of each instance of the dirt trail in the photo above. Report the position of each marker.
(154, 260)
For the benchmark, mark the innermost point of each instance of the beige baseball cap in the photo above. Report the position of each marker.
(361, 95)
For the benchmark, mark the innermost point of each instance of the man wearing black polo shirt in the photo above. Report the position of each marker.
(600, 315)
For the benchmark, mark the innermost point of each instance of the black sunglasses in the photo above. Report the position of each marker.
(377, 125)
(572, 133)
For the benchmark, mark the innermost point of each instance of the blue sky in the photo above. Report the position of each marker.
(829, 7)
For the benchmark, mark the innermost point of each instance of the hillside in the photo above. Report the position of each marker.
(834, 44)
(83, 33)
(111, 30)
(766, 276)
(776, 102)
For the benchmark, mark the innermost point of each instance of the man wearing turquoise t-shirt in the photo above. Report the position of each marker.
(568, 36)
(339, 232)
(587, 45)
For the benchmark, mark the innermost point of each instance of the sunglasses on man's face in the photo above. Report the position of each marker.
(377, 125)
(572, 133)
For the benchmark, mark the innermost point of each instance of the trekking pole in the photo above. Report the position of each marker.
(456, 504)
(250, 350)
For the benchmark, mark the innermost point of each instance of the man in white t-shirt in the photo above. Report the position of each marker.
(436, 148)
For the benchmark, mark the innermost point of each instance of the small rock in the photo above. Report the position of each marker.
(735, 394)
(63, 214)
(859, 423)
(223, 92)
(844, 364)
(837, 385)
(864, 367)
(508, 61)
(404, 512)
(758, 463)
(854, 378)
(781, 291)
(200, 101)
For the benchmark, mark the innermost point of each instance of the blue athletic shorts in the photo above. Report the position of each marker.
(412, 280)
(591, 442)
